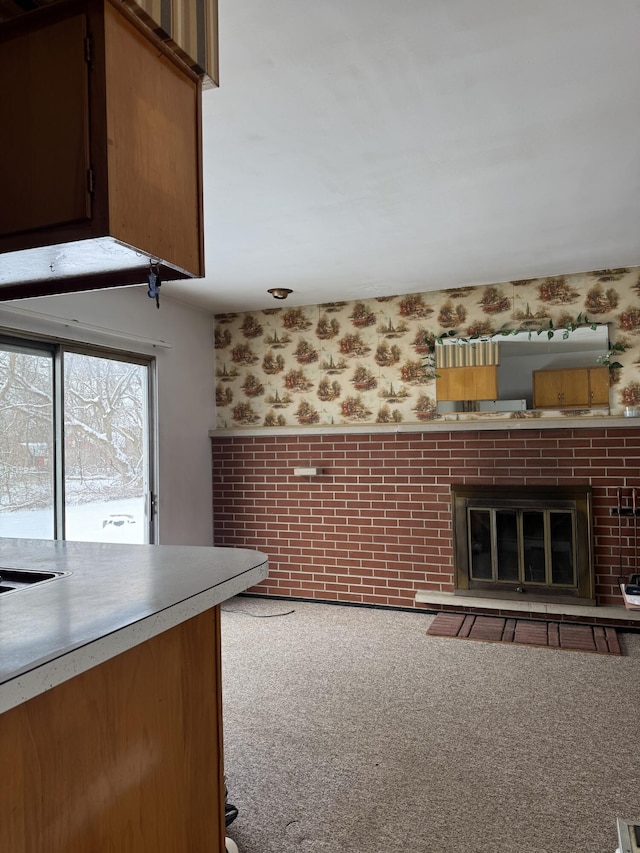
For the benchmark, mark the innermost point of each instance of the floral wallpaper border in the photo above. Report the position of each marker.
(363, 361)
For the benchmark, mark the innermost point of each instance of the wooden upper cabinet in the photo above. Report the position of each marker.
(100, 153)
(189, 28)
(152, 147)
(45, 173)
(467, 383)
(576, 387)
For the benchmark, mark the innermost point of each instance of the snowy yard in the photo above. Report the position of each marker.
(102, 521)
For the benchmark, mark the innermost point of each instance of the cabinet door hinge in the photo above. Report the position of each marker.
(87, 50)
(90, 182)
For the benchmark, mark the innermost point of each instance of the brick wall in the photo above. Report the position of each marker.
(375, 526)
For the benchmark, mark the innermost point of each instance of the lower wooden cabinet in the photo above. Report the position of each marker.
(124, 757)
(570, 388)
(467, 383)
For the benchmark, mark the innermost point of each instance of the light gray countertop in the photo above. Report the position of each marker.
(114, 597)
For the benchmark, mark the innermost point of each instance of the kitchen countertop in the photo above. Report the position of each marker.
(114, 597)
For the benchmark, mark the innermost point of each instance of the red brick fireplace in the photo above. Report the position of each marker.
(374, 526)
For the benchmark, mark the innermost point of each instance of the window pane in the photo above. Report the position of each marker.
(26, 450)
(480, 550)
(106, 460)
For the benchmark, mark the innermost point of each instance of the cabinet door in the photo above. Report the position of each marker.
(467, 383)
(154, 155)
(547, 389)
(44, 166)
(485, 382)
(575, 388)
(599, 386)
(125, 757)
(450, 384)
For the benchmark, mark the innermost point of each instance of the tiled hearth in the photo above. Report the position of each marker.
(373, 526)
(560, 611)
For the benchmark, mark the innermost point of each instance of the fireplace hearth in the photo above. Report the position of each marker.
(523, 542)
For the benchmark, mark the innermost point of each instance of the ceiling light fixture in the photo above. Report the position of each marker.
(279, 292)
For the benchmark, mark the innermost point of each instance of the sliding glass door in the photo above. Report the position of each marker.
(75, 444)
(27, 442)
(106, 441)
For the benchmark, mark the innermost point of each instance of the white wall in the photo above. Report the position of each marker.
(185, 386)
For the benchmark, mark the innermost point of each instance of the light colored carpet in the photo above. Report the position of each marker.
(349, 729)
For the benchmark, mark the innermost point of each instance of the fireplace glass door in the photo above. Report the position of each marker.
(514, 540)
(533, 547)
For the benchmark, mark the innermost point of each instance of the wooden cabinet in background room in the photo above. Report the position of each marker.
(467, 383)
(101, 166)
(569, 388)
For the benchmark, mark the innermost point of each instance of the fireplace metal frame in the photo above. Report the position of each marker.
(576, 498)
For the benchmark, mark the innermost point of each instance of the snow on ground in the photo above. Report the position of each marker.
(103, 521)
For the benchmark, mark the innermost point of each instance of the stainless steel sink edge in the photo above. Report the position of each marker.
(16, 580)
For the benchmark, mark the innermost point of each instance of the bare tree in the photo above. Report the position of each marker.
(104, 428)
(104, 423)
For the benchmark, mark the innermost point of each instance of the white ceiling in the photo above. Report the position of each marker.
(360, 148)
